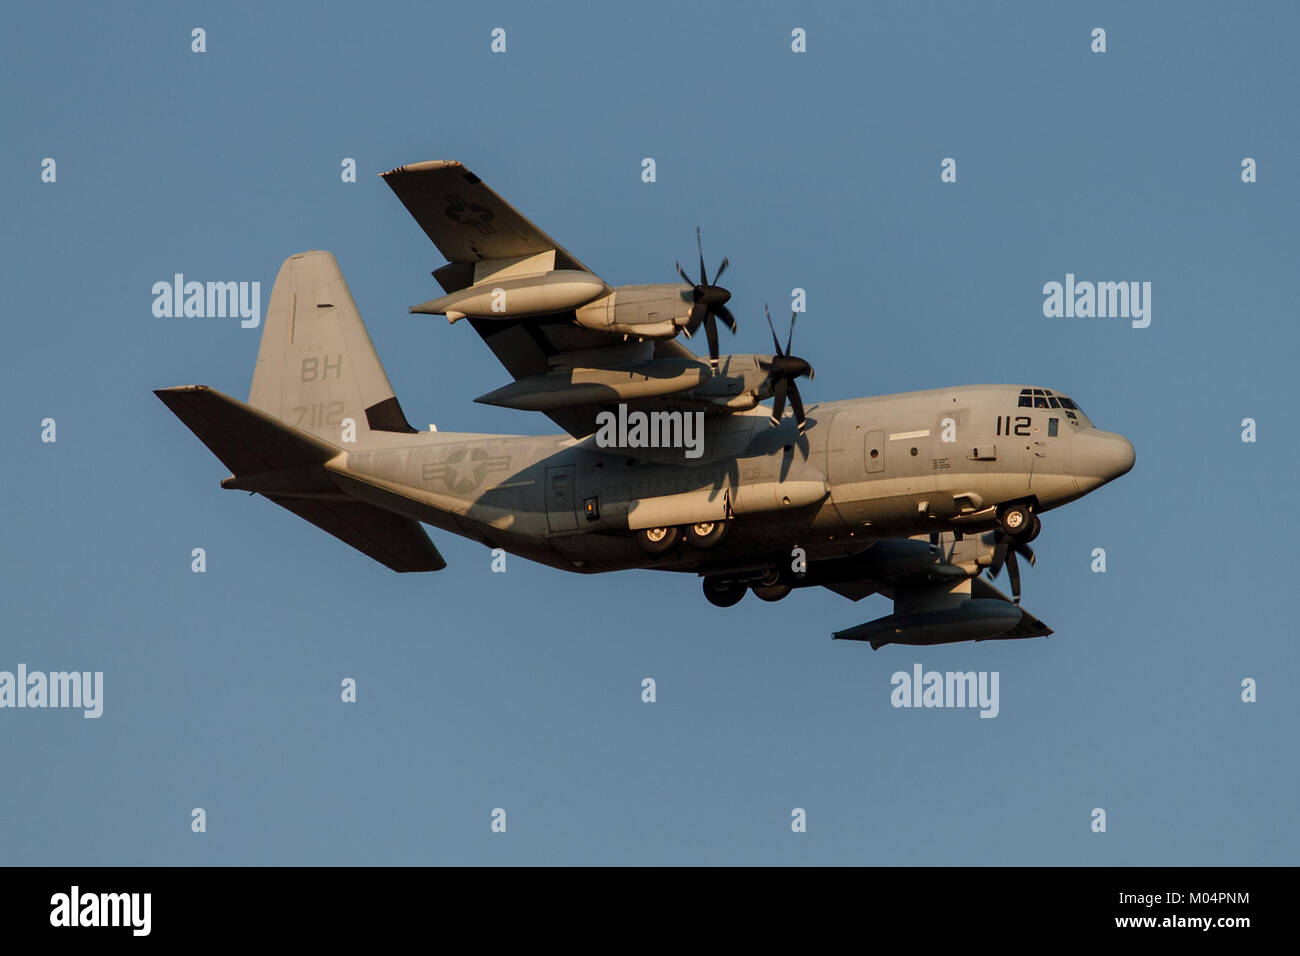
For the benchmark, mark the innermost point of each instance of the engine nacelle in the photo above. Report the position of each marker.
(646, 311)
(517, 297)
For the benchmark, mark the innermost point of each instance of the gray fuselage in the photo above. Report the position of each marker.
(889, 466)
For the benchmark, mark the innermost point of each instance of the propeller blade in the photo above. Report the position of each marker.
(698, 311)
(776, 343)
(790, 338)
(797, 404)
(778, 404)
(727, 318)
(999, 556)
(1004, 552)
(708, 301)
(1013, 570)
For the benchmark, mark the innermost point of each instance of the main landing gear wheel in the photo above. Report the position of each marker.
(1033, 531)
(657, 540)
(723, 593)
(706, 534)
(771, 592)
(1016, 520)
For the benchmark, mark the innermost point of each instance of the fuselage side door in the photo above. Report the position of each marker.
(561, 500)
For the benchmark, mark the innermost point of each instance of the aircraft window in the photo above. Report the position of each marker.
(1052, 425)
(1038, 391)
(875, 453)
(1066, 403)
(1026, 391)
(1051, 400)
(913, 451)
(1025, 402)
(1040, 402)
(1070, 414)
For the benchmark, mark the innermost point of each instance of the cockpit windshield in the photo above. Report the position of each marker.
(1046, 398)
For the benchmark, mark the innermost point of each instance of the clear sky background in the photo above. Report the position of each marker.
(522, 690)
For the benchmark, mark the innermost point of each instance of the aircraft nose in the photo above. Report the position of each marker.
(1100, 457)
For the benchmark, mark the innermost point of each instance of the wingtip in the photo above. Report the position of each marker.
(422, 166)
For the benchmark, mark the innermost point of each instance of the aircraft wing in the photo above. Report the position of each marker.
(487, 241)
(936, 601)
(530, 348)
(980, 588)
(1029, 625)
(465, 219)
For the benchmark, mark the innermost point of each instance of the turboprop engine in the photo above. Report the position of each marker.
(644, 311)
(647, 311)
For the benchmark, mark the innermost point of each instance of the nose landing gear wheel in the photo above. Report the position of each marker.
(723, 593)
(657, 540)
(706, 534)
(1016, 520)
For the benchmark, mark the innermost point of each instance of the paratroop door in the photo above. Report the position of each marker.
(561, 509)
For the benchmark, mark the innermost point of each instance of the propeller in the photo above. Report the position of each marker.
(710, 300)
(782, 372)
(1005, 549)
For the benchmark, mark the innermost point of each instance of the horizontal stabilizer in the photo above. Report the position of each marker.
(394, 541)
(247, 440)
(284, 463)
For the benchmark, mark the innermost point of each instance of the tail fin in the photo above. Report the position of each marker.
(316, 366)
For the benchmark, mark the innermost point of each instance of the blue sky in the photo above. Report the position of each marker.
(522, 690)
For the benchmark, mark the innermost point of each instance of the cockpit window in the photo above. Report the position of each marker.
(1046, 398)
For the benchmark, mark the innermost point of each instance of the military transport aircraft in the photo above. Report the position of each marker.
(913, 496)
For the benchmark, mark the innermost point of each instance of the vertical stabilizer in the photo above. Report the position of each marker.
(316, 366)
